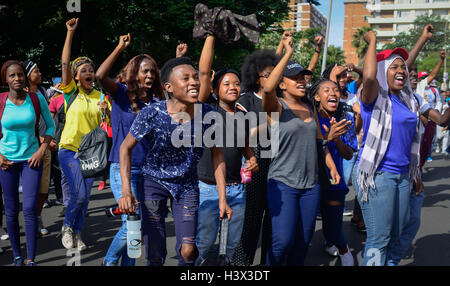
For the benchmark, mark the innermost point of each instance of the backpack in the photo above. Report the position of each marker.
(60, 117)
(37, 109)
(93, 153)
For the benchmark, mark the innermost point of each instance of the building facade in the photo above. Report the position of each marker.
(302, 16)
(355, 17)
(387, 17)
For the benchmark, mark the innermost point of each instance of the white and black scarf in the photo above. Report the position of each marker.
(379, 133)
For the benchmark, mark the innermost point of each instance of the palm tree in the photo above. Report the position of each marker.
(359, 43)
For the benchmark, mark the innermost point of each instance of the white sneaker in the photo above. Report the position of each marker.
(41, 229)
(332, 250)
(3, 234)
(80, 244)
(67, 237)
(347, 212)
(347, 258)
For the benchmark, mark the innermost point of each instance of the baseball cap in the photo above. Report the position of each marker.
(293, 69)
(422, 74)
(381, 56)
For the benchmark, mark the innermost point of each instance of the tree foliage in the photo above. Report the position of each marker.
(36, 29)
(429, 55)
(359, 43)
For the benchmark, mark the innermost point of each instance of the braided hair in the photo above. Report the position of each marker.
(342, 111)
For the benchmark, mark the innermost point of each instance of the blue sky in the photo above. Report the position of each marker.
(337, 20)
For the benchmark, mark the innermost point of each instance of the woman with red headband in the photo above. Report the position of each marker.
(388, 161)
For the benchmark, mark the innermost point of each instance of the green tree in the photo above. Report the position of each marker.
(429, 55)
(359, 43)
(408, 39)
(35, 29)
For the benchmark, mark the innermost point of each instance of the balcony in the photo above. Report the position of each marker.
(421, 6)
(394, 20)
(385, 34)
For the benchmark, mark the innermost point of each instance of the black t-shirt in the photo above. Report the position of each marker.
(233, 155)
(251, 102)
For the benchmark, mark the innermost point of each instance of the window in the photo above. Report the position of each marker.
(421, 12)
(404, 13)
(440, 12)
(402, 27)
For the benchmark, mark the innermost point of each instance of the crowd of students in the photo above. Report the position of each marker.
(375, 132)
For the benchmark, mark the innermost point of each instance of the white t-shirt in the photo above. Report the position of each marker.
(350, 100)
(433, 98)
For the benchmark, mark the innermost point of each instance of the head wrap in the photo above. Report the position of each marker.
(78, 62)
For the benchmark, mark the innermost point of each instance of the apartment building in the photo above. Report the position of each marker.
(356, 16)
(387, 17)
(302, 16)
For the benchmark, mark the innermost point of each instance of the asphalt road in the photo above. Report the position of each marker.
(431, 246)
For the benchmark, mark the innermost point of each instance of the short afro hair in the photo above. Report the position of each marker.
(9, 63)
(253, 65)
(167, 68)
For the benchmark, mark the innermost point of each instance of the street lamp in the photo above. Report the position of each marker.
(324, 59)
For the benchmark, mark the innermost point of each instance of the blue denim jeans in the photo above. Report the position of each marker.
(208, 218)
(293, 215)
(118, 247)
(80, 190)
(410, 230)
(385, 215)
(348, 166)
(154, 211)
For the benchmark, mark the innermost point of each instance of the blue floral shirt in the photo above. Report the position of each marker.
(174, 148)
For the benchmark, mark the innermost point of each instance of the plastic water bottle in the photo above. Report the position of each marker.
(134, 239)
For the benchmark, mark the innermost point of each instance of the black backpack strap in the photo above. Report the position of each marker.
(72, 99)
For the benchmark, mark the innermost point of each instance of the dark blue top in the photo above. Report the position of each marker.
(170, 162)
(122, 116)
(337, 158)
(397, 157)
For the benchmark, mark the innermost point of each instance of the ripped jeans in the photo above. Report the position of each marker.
(154, 212)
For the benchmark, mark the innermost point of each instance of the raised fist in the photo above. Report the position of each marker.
(370, 36)
(428, 31)
(319, 41)
(72, 24)
(181, 50)
(124, 41)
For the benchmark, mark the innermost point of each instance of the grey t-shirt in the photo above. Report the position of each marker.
(295, 164)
